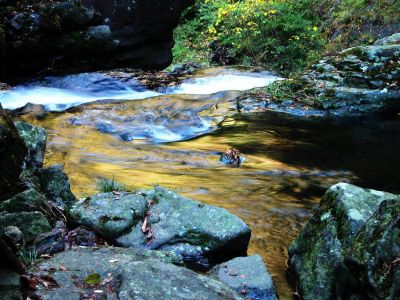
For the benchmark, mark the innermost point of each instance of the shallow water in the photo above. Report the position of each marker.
(290, 161)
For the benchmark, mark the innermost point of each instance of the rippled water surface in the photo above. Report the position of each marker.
(175, 140)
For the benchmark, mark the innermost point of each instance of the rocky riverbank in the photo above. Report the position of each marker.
(40, 217)
(356, 81)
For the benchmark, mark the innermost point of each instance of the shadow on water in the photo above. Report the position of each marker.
(367, 146)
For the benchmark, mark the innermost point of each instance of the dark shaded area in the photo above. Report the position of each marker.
(71, 36)
(367, 146)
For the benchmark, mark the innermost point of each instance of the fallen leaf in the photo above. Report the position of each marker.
(92, 279)
(47, 281)
(62, 268)
(31, 281)
(106, 280)
(144, 225)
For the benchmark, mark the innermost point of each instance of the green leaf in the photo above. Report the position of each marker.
(92, 279)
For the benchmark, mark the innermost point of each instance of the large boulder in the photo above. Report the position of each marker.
(163, 220)
(12, 156)
(89, 34)
(35, 139)
(120, 273)
(248, 276)
(350, 247)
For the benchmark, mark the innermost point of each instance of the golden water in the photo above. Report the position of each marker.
(289, 162)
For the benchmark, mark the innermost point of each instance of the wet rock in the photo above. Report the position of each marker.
(34, 110)
(53, 183)
(35, 139)
(127, 274)
(12, 155)
(31, 224)
(184, 69)
(161, 219)
(349, 248)
(232, 157)
(88, 35)
(248, 276)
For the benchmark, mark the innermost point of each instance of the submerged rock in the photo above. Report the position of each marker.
(126, 274)
(350, 248)
(161, 219)
(248, 276)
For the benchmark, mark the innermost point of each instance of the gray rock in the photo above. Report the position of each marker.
(132, 274)
(390, 40)
(31, 224)
(351, 234)
(189, 228)
(248, 276)
(172, 223)
(109, 214)
(35, 139)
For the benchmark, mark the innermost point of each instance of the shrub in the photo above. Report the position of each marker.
(105, 185)
(273, 34)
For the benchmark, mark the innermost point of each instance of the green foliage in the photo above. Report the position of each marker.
(292, 89)
(285, 35)
(273, 34)
(28, 257)
(106, 185)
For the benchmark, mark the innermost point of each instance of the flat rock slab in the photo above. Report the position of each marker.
(126, 274)
(248, 276)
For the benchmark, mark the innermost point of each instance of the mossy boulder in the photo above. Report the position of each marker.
(31, 224)
(30, 200)
(161, 219)
(12, 155)
(343, 250)
(35, 139)
(53, 183)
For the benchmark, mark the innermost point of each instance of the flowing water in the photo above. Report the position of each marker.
(175, 139)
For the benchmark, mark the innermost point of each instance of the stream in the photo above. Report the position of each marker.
(143, 137)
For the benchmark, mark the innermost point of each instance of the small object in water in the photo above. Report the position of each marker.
(232, 157)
